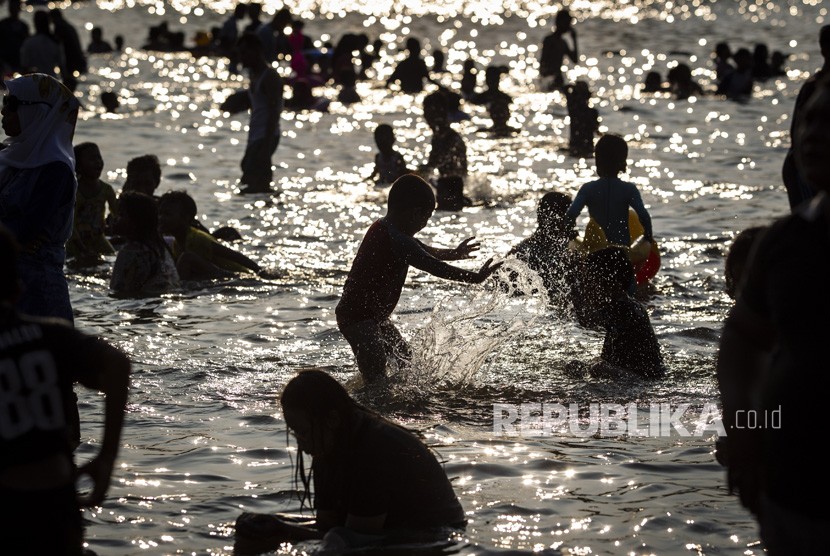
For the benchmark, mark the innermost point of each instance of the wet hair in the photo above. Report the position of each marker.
(410, 193)
(9, 279)
(737, 258)
(384, 135)
(81, 148)
(317, 394)
(611, 266)
(610, 155)
(183, 201)
(550, 215)
(553, 204)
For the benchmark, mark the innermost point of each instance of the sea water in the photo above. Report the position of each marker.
(204, 439)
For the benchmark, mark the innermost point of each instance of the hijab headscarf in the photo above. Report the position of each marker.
(46, 129)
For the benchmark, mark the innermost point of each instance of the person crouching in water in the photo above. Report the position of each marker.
(630, 345)
(372, 479)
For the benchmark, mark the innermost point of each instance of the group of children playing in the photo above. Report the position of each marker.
(159, 240)
(598, 285)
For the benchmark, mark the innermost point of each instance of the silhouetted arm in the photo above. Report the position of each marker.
(112, 378)
(636, 202)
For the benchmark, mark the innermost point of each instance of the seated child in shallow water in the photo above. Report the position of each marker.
(371, 478)
(144, 265)
(91, 201)
(630, 343)
(389, 163)
(198, 255)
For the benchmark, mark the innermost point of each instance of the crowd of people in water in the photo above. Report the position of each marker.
(55, 208)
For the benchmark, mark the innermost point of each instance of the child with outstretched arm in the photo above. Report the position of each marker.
(378, 273)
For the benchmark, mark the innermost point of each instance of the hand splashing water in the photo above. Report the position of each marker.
(465, 329)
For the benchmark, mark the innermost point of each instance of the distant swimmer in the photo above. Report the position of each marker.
(738, 84)
(447, 155)
(555, 49)
(379, 270)
(389, 163)
(266, 101)
(412, 71)
(584, 119)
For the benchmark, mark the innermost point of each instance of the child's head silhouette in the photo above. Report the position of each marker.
(610, 155)
(384, 137)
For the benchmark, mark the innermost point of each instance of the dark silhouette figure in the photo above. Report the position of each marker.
(469, 79)
(97, 44)
(555, 48)
(798, 188)
(74, 58)
(761, 69)
(13, 31)
(653, 83)
(682, 84)
(412, 71)
(738, 84)
(584, 119)
(723, 66)
(776, 63)
(438, 60)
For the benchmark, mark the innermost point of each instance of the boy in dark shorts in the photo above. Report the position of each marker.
(40, 359)
(378, 273)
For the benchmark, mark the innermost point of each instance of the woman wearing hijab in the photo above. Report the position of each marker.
(37, 187)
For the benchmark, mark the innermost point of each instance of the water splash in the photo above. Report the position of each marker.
(465, 330)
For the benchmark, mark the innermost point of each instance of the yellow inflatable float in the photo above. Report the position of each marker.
(644, 254)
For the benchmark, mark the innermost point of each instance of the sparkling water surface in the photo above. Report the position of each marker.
(204, 439)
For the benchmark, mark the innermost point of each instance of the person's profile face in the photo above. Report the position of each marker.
(90, 164)
(11, 121)
(142, 180)
(420, 217)
(170, 218)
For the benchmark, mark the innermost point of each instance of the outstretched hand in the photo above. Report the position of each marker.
(466, 248)
(100, 471)
(486, 270)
